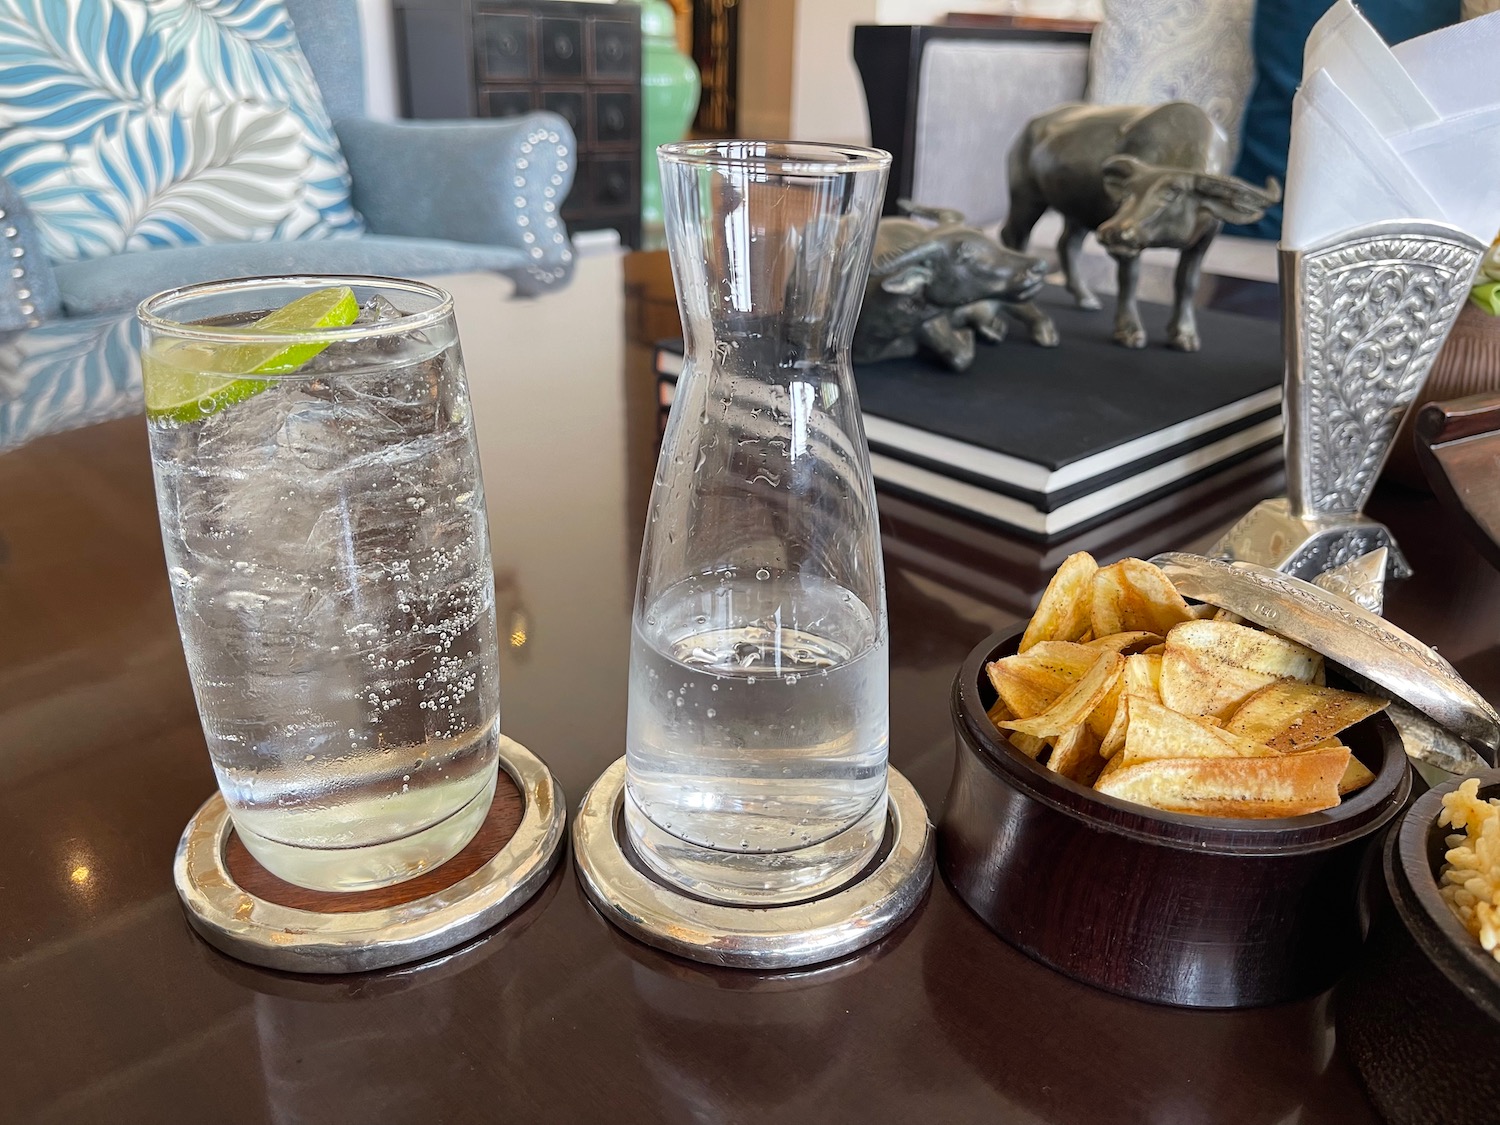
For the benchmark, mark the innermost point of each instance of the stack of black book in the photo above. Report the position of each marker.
(1050, 441)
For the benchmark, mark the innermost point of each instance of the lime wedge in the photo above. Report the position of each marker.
(1487, 297)
(191, 380)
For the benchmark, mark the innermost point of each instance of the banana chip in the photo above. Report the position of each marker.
(1121, 684)
(1114, 738)
(1076, 705)
(1102, 717)
(1356, 776)
(1125, 643)
(1289, 716)
(1031, 682)
(1063, 613)
(1159, 732)
(1143, 676)
(1135, 596)
(1212, 667)
(1025, 743)
(1071, 660)
(1076, 756)
(1111, 765)
(1275, 786)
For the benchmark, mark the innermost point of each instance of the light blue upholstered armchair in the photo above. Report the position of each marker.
(437, 197)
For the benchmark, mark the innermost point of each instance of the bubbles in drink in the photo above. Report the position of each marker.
(793, 751)
(330, 560)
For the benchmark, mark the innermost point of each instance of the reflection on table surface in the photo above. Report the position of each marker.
(113, 1011)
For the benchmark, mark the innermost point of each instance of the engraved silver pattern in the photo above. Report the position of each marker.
(1333, 549)
(1370, 313)
(1360, 579)
(1306, 546)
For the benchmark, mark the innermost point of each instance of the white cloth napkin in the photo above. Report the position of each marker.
(1411, 133)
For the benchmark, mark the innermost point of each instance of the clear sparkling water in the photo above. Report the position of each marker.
(328, 552)
(758, 733)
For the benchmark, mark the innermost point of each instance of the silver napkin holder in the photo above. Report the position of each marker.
(1363, 317)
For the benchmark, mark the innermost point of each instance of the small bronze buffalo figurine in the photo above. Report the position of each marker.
(935, 285)
(1137, 176)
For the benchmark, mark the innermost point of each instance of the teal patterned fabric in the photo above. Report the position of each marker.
(66, 374)
(140, 124)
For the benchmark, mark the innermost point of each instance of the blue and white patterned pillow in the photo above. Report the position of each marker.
(1150, 51)
(137, 124)
(68, 373)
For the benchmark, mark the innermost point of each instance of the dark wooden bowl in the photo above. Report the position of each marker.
(1420, 1015)
(1202, 912)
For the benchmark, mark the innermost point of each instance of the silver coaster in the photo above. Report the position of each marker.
(752, 937)
(303, 941)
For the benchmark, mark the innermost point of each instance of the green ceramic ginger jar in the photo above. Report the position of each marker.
(669, 98)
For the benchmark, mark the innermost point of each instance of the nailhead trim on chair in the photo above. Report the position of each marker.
(18, 271)
(549, 208)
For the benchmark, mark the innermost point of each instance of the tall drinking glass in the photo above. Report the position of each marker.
(758, 720)
(323, 516)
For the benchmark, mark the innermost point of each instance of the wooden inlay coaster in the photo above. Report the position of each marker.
(243, 910)
(496, 831)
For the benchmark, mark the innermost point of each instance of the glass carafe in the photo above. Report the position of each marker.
(758, 729)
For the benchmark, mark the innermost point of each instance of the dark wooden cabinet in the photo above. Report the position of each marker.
(501, 58)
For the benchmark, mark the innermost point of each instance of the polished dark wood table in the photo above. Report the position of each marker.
(111, 1010)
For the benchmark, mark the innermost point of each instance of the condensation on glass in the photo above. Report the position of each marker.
(758, 720)
(328, 552)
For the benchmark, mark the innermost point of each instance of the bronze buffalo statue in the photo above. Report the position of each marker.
(935, 284)
(1137, 176)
